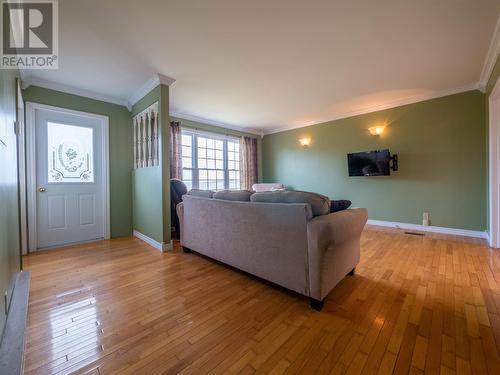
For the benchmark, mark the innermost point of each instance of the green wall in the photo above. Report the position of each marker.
(120, 146)
(441, 145)
(217, 129)
(151, 186)
(9, 215)
(147, 192)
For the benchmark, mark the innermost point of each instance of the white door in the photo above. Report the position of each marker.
(70, 201)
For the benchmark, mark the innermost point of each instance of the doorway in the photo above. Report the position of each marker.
(67, 176)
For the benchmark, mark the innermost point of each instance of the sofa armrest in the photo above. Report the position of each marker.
(180, 214)
(333, 248)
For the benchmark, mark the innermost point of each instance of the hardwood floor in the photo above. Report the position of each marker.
(416, 305)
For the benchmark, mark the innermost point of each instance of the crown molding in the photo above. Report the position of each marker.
(184, 116)
(491, 58)
(380, 107)
(148, 86)
(28, 81)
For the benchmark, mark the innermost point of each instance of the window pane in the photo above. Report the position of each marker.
(70, 153)
(189, 184)
(186, 162)
(187, 175)
(217, 160)
(187, 140)
(234, 184)
(186, 151)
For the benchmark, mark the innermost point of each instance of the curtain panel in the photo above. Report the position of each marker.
(175, 150)
(248, 167)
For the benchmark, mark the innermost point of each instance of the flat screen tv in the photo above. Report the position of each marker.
(370, 163)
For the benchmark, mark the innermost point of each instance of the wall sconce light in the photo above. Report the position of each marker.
(376, 130)
(304, 142)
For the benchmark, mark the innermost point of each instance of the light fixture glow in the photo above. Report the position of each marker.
(376, 130)
(305, 142)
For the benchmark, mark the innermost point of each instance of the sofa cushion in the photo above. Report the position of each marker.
(320, 204)
(201, 193)
(234, 195)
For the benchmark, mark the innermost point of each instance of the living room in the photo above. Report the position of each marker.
(268, 187)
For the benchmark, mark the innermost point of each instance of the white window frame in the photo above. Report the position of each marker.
(194, 154)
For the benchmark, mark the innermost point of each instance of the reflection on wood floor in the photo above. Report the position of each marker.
(416, 304)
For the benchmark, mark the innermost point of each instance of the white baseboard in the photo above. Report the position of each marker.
(157, 245)
(433, 229)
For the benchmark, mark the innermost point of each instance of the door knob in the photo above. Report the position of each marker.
(41, 190)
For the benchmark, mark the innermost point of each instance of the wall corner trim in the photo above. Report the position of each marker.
(491, 57)
(431, 229)
(157, 245)
(148, 86)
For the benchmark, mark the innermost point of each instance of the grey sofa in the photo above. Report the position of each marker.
(280, 242)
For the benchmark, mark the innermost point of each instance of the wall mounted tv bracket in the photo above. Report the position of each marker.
(394, 160)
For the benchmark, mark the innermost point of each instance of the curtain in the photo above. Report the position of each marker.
(248, 176)
(175, 150)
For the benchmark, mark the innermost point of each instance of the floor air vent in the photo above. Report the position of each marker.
(415, 233)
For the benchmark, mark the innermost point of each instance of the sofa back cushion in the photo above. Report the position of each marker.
(234, 195)
(320, 205)
(201, 193)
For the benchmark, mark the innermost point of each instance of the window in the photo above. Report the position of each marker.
(69, 153)
(210, 162)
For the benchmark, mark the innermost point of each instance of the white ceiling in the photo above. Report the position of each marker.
(273, 64)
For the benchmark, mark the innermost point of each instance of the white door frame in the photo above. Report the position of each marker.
(494, 165)
(31, 166)
(21, 157)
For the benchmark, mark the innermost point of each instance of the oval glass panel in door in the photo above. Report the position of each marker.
(70, 153)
